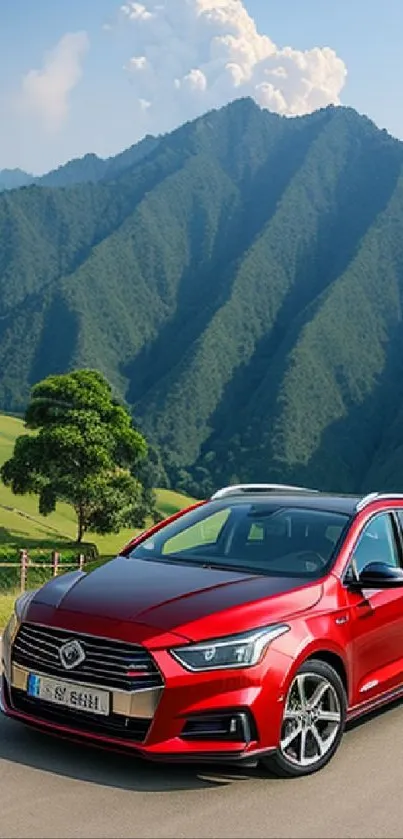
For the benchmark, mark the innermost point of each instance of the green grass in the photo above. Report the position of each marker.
(170, 502)
(21, 526)
(6, 607)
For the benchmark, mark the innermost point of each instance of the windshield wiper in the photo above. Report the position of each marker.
(206, 564)
(239, 569)
(169, 560)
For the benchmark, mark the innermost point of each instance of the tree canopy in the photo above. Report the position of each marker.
(84, 451)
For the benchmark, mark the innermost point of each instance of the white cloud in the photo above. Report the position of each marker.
(45, 92)
(136, 11)
(193, 81)
(138, 63)
(199, 54)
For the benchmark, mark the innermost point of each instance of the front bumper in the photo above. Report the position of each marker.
(152, 723)
(169, 749)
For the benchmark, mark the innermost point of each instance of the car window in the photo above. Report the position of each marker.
(377, 543)
(260, 537)
(399, 514)
(256, 533)
(204, 532)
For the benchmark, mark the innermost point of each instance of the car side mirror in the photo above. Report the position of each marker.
(379, 575)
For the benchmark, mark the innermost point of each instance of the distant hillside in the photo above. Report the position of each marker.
(241, 285)
(87, 169)
(14, 178)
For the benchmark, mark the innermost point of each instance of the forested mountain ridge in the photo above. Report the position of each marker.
(87, 169)
(14, 179)
(241, 286)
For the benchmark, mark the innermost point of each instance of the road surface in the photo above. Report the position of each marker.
(51, 788)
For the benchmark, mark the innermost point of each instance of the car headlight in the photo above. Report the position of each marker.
(232, 652)
(22, 603)
(10, 632)
(20, 608)
(11, 628)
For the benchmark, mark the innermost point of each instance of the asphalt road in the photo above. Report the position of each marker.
(50, 788)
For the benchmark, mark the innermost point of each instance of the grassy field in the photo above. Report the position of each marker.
(6, 607)
(21, 525)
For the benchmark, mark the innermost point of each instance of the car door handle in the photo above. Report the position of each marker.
(342, 619)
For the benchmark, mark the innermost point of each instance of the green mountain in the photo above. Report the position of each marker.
(91, 169)
(14, 179)
(241, 285)
(87, 169)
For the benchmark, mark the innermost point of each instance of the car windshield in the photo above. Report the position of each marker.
(256, 537)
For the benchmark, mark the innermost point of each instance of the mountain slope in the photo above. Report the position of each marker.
(92, 169)
(239, 281)
(82, 170)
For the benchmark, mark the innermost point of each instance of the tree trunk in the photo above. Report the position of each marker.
(81, 525)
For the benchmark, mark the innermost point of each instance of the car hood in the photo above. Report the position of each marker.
(175, 598)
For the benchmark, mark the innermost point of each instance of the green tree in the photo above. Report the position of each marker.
(151, 473)
(85, 451)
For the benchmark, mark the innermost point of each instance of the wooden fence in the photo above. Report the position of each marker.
(55, 564)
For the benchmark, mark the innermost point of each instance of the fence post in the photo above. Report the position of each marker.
(81, 560)
(55, 562)
(23, 569)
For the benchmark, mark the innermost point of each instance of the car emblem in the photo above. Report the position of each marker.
(71, 654)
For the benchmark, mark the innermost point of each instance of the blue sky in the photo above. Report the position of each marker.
(78, 76)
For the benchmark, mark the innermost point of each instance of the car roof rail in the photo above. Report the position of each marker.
(377, 496)
(236, 489)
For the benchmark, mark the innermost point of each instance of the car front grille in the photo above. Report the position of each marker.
(108, 663)
(113, 726)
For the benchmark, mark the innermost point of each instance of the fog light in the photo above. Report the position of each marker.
(236, 726)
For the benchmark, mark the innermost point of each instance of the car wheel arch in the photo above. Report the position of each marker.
(329, 655)
(335, 661)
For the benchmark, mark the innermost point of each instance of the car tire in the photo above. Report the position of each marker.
(311, 730)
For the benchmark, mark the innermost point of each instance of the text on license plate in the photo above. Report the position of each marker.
(68, 694)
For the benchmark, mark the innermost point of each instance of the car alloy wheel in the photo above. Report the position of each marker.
(313, 721)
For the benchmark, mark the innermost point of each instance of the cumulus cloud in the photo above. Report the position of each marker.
(192, 55)
(45, 92)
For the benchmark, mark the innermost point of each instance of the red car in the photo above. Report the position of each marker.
(253, 625)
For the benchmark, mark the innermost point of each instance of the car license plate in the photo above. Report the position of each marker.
(68, 694)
